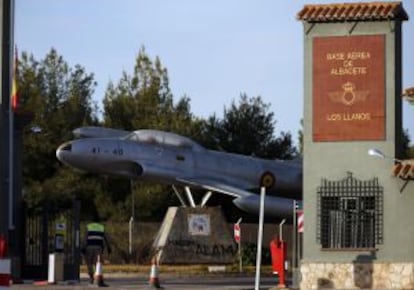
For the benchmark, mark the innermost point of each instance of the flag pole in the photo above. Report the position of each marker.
(11, 121)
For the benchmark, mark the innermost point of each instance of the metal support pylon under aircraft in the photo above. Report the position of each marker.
(190, 197)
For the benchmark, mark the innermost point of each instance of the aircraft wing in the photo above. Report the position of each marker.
(216, 186)
(274, 206)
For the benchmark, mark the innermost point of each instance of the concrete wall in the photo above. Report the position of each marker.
(144, 234)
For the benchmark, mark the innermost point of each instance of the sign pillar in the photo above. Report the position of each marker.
(352, 103)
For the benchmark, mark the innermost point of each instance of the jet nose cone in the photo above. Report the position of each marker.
(63, 150)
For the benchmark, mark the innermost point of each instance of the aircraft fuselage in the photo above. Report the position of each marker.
(171, 159)
(167, 164)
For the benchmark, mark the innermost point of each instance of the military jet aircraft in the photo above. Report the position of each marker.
(168, 158)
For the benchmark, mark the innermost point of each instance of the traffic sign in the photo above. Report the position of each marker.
(237, 232)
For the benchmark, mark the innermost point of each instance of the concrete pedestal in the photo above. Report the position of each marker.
(195, 236)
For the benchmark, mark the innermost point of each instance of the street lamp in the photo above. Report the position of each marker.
(403, 170)
(378, 153)
(36, 129)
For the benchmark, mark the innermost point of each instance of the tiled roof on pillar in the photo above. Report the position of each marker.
(363, 11)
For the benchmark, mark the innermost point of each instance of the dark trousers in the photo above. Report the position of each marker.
(91, 257)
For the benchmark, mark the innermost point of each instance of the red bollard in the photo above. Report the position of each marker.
(3, 246)
(278, 250)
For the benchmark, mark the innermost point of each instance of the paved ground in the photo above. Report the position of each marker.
(168, 281)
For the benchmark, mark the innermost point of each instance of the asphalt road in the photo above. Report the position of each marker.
(169, 281)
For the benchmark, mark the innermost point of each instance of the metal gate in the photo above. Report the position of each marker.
(48, 230)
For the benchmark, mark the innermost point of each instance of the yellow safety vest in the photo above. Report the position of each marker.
(96, 234)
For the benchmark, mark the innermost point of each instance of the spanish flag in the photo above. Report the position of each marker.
(14, 93)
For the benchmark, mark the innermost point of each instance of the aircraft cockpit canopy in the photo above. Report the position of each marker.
(163, 138)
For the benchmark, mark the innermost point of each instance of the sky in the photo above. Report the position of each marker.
(214, 50)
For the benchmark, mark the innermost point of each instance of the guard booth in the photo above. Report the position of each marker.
(49, 230)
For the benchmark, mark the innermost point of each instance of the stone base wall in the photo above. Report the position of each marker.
(356, 275)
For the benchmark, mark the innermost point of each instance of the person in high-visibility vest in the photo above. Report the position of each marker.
(95, 243)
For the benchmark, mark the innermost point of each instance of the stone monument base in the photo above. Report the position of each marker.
(197, 235)
(366, 275)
